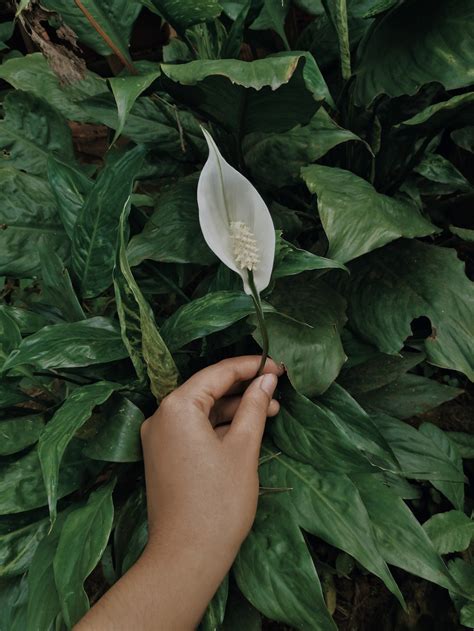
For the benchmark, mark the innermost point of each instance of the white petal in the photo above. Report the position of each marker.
(225, 195)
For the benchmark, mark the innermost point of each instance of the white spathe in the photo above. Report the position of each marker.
(234, 219)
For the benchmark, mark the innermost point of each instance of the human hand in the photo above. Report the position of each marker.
(201, 475)
(201, 451)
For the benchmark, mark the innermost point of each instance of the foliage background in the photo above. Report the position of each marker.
(354, 120)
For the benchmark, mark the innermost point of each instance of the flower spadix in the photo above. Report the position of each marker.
(235, 221)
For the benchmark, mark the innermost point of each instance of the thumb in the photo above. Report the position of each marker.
(249, 420)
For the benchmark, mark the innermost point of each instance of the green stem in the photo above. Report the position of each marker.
(261, 322)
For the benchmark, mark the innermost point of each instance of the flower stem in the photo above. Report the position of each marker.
(261, 322)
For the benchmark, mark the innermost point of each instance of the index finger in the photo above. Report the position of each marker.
(212, 383)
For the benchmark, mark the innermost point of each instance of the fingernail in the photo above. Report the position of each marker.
(281, 368)
(268, 383)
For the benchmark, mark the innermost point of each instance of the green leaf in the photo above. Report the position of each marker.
(215, 611)
(27, 321)
(275, 159)
(463, 573)
(328, 506)
(60, 430)
(10, 336)
(43, 599)
(206, 315)
(391, 287)
(70, 345)
(450, 532)
(82, 541)
(9, 395)
(337, 12)
(118, 438)
(146, 348)
(132, 513)
(240, 614)
(419, 456)
(311, 433)
(32, 73)
(172, 234)
(464, 138)
(436, 49)
(273, 16)
(23, 483)
(435, 168)
(355, 217)
(18, 433)
(70, 188)
(95, 234)
(182, 14)
(27, 213)
(275, 572)
(400, 538)
(454, 491)
(18, 544)
(464, 443)
(30, 131)
(56, 285)
(287, 90)
(13, 595)
(407, 396)
(99, 22)
(290, 260)
(309, 345)
(463, 233)
(376, 371)
(6, 31)
(126, 90)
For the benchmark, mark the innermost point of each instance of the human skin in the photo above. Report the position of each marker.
(201, 450)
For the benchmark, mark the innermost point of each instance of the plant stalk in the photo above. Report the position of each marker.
(261, 322)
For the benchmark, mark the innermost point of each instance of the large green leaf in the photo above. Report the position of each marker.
(26, 320)
(6, 31)
(27, 213)
(118, 438)
(418, 454)
(56, 285)
(103, 25)
(400, 537)
(146, 348)
(60, 430)
(450, 532)
(275, 572)
(210, 313)
(18, 544)
(18, 433)
(13, 597)
(23, 486)
(391, 287)
(273, 16)
(422, 42)
(310, 345)
(311, 433)
(70, 188)
(290, 260)
(10, 335)
(355, 217)
(126, 90)
(10, 395)
(130, 515)
(408, 395)
(172, 234)
(84, 343)
(275, 159)
(327, 505)
(30, 131)
(82, 541)
(32, 73)
(442, 176)
(271, 94)
(443, 444)
(215, 611)
(337, 13)
(182, 14)
(43, 600)
(95, 233)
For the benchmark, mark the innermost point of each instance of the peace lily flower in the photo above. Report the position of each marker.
(237, 226)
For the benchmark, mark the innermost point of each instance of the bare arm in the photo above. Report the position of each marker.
(202, 492)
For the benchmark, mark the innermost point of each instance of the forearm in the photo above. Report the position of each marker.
(166, 590)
